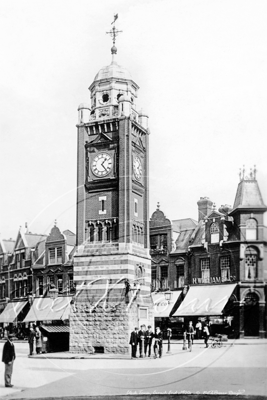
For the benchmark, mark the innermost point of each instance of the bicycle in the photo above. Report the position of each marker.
(216, 341)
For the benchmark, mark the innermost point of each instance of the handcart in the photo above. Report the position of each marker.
(217, 340)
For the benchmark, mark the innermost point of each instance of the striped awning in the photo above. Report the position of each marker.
(163, 307)
(205, 300)
(48, 309)
(11, 311)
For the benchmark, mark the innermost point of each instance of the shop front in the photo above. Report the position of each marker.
(52, 316)
(164, 305)
(11, 318)
(211, 304)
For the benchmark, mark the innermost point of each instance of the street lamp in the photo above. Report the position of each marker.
(168, 297)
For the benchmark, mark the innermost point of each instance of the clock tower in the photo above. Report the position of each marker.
(112, 267)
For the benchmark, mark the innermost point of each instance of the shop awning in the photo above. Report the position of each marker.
(205, 300)
(47, 309)
(163, 308)
(11, 311)
(56, 328)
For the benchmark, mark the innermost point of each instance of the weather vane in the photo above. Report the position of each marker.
(114, 32)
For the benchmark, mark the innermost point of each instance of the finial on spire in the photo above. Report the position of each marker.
(158, 205)
(255, 171)
(114, 33)
(244, 170)
(213, 207)
(55, 222)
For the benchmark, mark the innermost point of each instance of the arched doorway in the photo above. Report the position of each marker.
(251, 314)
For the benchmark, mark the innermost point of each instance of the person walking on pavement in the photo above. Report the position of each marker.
(38, 337)
(148, 340)
(8, 357)
(134, 342)
(31, 339)
(206, 334)
(158, 343)
(141, 340)
(199, 329)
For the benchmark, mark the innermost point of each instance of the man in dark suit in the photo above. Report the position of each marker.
(158, 337)
(134, 341)
(31, 339)
(8, 358)
(148, 340)
(141, 340)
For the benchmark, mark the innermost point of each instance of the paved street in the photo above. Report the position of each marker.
(237, 369)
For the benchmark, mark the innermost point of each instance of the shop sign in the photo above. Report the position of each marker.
(212, 279)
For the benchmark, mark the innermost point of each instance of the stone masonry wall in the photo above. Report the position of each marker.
(107, 327)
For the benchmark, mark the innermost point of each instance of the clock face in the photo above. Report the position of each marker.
(101, 165)
(137, 167)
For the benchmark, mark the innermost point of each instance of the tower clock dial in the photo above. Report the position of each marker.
(101, 165)
(137, 167)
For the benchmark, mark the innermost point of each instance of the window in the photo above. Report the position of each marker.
(251, 229)
(225, 268)
(158, 243)
(135, 207)
(91, 233)
(179, 276)
(143, 313)
(205, 270)
(55, 255)
(214, 233)
(154, 276)
(60, 284)
(251, 263)
(50, 281)
(99, 232)
(102, 200)
(164, 276)
(71, 284)
(1, 261)
(40, 287)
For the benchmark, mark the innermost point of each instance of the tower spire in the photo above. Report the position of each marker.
(114, 33)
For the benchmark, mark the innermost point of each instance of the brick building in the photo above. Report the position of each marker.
(220, 261)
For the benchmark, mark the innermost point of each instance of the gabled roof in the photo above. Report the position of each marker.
(248, 195)
(6, 246)
(33, 239)
(183, 224)
(70, 237)
(55, 235)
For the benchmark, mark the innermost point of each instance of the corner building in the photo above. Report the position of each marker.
(112, 267)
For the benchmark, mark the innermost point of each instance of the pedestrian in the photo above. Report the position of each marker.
(134, 341)
(190, 332)
(141, 340)
(148, 340)
(206, 334)
(158, 343)
(38, 338)
(31, 339)
(199, 329)
(8, 358)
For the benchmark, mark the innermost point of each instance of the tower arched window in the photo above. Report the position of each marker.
(99, 232)
(251, 263)
(214, 233)
(91, 233)
(251, 229)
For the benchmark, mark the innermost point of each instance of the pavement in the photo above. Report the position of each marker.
(237, 369)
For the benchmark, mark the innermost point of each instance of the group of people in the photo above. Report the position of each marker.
(143, 340)
(35, 336)
(201, 331)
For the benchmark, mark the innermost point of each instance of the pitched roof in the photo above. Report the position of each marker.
(183, 224)
(70, 237)
(7, 245)
(182, 242)
(33, 239)
(248, 195)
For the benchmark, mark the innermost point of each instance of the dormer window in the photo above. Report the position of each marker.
(214, 233)
(55, 255)
(251, 229)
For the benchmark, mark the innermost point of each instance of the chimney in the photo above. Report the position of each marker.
(204, 207)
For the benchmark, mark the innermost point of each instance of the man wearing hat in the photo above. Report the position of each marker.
(8, 358)
(134, 341)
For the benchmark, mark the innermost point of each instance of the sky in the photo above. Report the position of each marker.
(201, 67)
